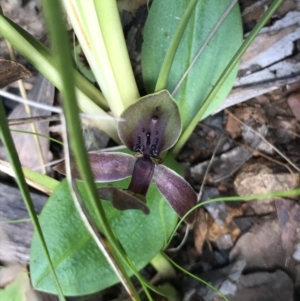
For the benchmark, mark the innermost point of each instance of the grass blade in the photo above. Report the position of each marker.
(186, 134)
(14, 159)
(63, 62)
(170, 55)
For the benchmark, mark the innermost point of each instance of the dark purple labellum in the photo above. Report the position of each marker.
(142, 175)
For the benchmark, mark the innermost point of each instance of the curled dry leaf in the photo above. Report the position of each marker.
(11, 71)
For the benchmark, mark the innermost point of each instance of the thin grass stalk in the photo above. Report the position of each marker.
(171, 52)
(202, 48)
(16, 165)
(28, 111)
(195, 277)
(83, 17)
(89, 97)
(16, 221)
(88, 221)
(112, 31)
(34, 179)
(186, 134)
(61, 49)
(243, 198)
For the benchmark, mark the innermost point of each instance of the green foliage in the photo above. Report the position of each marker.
(161, 25)
(80, 267)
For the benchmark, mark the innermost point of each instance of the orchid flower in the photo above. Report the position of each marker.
(149, 127)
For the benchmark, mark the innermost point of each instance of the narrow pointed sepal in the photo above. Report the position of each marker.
(176, 190)
(123, 199)
(106, 167)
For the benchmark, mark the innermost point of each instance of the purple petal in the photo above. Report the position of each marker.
(142, 175)
(152, 125)
(176, 190)
(123, 199)
(106, 167)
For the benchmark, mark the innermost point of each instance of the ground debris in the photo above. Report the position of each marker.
(27, 148)
(294, 104)
(19, 234)
(11, 71)
(259, 177)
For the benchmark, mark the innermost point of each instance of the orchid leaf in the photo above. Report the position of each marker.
(177, 191)
(160, 27)
(152, 125)
(80, 267)
(106, 167)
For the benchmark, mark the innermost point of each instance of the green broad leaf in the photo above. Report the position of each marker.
(160, 27)
(80, 266)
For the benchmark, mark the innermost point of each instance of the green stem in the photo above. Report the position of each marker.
(15, 162)
(163, 266)
(89, 97)
(186, 134)
(113, 36)
(39, 55)
(38, 134)
(167, 63)
(33, 178)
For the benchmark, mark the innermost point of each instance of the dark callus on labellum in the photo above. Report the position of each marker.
(150, 127)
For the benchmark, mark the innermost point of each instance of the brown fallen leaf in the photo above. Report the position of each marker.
(233, 127)
(272, 243)
(294, 104)
(252, 13)
(288, 214)
(217, 225)
(11, 71)
(200, 230)
(261, 246)
(223, 230)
